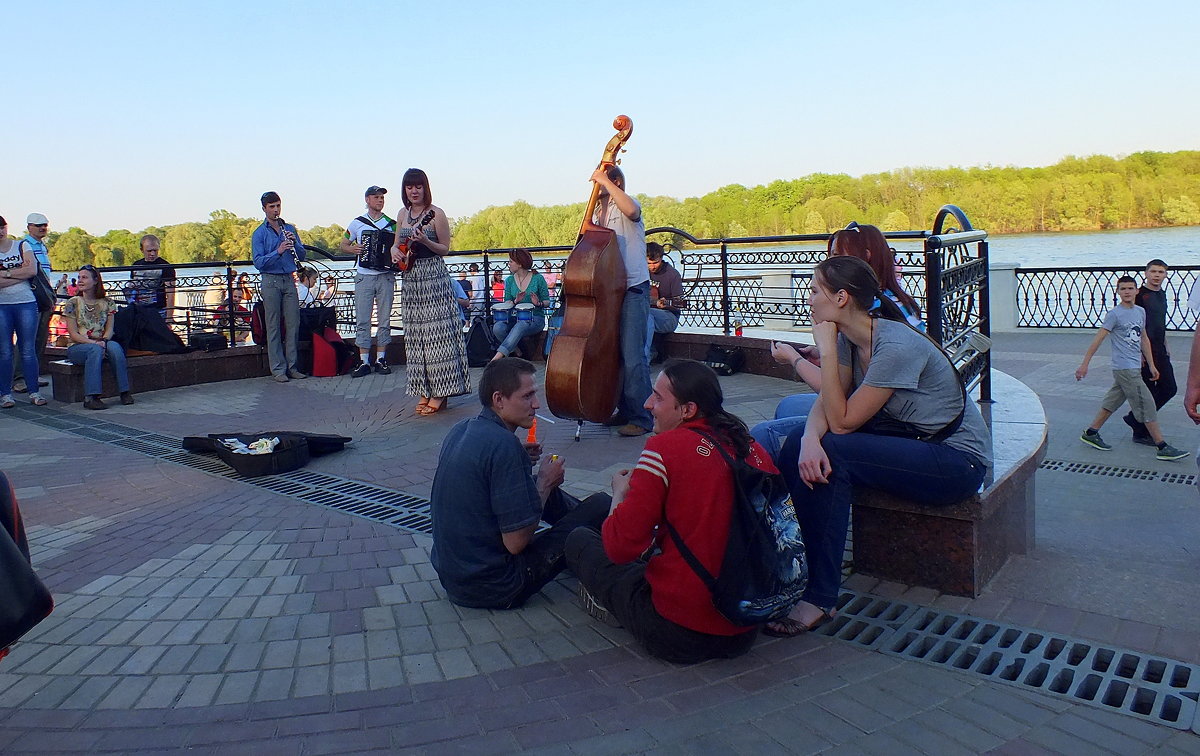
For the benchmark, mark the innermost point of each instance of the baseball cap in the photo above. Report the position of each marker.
(36, 219)
(374, 190)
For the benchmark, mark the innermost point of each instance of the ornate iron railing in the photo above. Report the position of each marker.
(751, 281)
(1080, 297)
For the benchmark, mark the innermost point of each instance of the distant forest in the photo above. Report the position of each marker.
(1143, 190)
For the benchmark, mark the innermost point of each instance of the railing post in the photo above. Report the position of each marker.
(487, 288)
(985, 326)
(725, 303)
(229, 302)
(933, 293)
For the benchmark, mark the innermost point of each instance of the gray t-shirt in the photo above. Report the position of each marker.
(20, 292)
(1126, 325)
(926, 390)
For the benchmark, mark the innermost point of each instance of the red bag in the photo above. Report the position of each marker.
(331, 355)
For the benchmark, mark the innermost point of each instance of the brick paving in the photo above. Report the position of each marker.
(198, 612)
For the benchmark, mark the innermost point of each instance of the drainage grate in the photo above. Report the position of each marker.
(354, 497)
(1149, 687)
(1132, 473)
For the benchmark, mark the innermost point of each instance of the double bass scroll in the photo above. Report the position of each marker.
(583, 371)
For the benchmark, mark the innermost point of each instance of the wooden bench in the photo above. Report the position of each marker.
(955, 549)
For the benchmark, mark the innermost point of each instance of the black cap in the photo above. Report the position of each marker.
(374, 190)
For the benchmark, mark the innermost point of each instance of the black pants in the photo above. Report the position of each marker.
(542, 559)
(43, 338)
(623, 590)
(1162, 390)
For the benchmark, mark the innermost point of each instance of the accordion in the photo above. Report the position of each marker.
(376, 250)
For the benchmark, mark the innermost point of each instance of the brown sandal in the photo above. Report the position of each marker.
(786, 627)
(431, 408)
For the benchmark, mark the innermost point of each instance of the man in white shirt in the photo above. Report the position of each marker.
(374, 283)
(622, 213)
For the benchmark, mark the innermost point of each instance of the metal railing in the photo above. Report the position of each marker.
(1081, 297)
(751, 281)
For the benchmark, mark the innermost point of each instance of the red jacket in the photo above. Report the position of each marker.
(682, 476)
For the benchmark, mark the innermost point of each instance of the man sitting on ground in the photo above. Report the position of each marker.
(486, 502)
(680, 478)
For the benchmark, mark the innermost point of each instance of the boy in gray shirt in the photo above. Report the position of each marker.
(1127, 323)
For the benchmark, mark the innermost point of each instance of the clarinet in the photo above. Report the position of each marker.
(292, 238)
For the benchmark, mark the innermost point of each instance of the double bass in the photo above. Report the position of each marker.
(583, 372)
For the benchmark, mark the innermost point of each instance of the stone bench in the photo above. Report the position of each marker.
(152, 372)
(955, 549)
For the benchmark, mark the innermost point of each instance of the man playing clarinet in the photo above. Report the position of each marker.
(277, 255)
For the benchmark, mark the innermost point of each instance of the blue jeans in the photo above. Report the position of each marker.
(279, 298)
(661, 321)
(92, 356)
(635, 366)
(21, 319)
(510, 332)
(792, 413)
(932, 474)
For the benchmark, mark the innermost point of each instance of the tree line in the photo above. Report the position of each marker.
(1143, 190)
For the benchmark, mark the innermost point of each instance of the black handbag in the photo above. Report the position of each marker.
(724, 360)
(43, 292)
(24, 599)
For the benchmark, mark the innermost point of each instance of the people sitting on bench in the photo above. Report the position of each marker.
(892, 414)
(90, 315)
(523, 312)
(868, 244)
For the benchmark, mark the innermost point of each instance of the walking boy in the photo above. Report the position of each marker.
(1153, 300)
(1127, 323)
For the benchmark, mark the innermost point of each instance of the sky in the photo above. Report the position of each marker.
(128, 114)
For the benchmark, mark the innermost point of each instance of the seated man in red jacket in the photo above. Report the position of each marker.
(682, 477)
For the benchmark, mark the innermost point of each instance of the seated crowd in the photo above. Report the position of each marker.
(891, 414)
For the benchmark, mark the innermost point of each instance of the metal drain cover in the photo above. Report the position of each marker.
(1146, 686)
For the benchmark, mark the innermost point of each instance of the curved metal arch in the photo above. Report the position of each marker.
(959, 215)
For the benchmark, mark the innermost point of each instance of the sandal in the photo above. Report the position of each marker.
(431, 408)
(786, 627)
(423, 403)
(37, 399)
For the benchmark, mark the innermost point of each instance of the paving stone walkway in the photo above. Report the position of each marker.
(199, 612)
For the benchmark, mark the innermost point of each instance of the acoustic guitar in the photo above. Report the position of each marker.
(406, 243)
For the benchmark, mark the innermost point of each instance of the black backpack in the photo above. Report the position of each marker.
(764, 572)
(481, 344)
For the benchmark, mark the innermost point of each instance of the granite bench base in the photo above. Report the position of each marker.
(152, 372)
(956, 549)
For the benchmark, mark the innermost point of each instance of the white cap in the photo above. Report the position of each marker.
(36, 219)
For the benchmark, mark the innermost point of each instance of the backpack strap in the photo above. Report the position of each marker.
(701, 571)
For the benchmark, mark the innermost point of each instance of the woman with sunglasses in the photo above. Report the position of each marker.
(868, 244)
(90, 315)
(892, 415)
(18, 315)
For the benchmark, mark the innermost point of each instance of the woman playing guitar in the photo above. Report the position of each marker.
(433, 339)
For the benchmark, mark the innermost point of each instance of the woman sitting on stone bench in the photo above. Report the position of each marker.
(867, 243)
(89, 316)
(892, 415)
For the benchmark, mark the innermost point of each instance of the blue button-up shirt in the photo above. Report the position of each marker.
(264, 244)
(39, 251)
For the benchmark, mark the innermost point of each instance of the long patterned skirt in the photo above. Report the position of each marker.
(433, 338)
